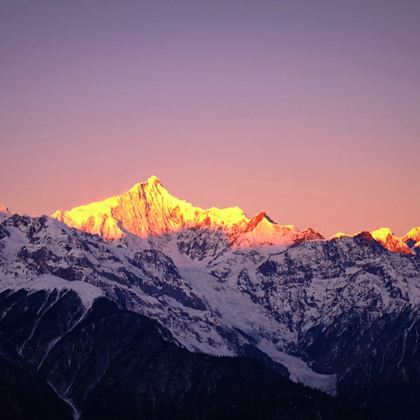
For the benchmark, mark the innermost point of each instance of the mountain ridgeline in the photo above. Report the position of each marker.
(144, 306)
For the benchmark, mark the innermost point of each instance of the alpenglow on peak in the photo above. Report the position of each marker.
(148, 209)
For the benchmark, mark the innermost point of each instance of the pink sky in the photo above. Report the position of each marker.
(310, 112)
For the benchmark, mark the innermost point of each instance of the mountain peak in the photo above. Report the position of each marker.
(339, 235)
(412, 238)
(148, 209)
(261, 217)
(382, 233)
(4, 212)
(151, 182)
(386, 237)
(413, 234)
(3, 208)
(154, 180)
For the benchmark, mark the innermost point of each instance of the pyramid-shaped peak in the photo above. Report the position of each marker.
(262, 216)
(365, 235)
(386, 237)
(152, 183)
(149, 210)
(153, 180)
(413, 234)
(268, 218)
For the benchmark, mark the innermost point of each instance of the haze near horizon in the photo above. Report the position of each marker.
(306, 110)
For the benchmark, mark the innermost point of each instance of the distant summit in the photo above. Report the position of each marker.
(4, 211)
(148, 209)
(387, 239)
(391, 242)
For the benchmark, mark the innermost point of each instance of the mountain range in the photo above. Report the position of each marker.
(144, 306)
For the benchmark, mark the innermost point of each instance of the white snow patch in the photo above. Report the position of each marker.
(87, 292)
(300, 371)
(238, 311)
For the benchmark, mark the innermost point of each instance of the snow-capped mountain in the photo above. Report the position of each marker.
(340, 315)
(190, 300)
(391, 242)
(412, 239)
(52, 279)
(148, 210)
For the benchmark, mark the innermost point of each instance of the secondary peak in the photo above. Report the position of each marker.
(3, 208)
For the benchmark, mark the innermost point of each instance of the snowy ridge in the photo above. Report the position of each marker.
(241, 314)
(87, 292)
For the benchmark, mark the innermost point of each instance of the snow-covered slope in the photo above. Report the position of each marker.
(42, 253)
(276, 300)
(330, 311)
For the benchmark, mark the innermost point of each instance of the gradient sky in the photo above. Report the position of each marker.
(309, 110)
